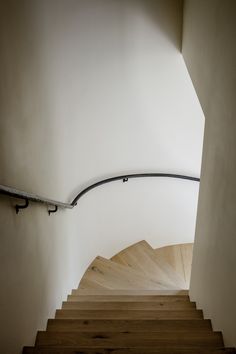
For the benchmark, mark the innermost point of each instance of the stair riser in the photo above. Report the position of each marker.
(132, 292)
(129, 306)
(130, 315)
(128, 298)
(119, 325)
(165, 350)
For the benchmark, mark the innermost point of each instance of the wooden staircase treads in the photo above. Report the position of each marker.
(130, 314)
(120, 305)
(179, 257)
(127, 298)
(130, 339)
(128, 325)
(142, 258)
(141, 292)
(132, 304)
(91, 285)
(111, 275)
(143, 350)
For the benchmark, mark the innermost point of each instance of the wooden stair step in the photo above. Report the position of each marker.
(179, 257)
(111, 275)
(128, 298)
(128, 325)
(119, 305)
(143, 350)
(92, 284)
(130, 339)
(142, 258)
(130, 292)
(130, 314)
(135, 303)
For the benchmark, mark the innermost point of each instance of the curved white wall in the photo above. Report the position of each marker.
(91, 88)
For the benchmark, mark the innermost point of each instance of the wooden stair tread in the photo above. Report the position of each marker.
(89, 284)
(135, 303)
(142, 258)
(133, 292)
(120, 305)
(143, 350)
(179, 257)
(111, 275)
(128, 298)
(129, 314)
(128, 325)
(131, 339)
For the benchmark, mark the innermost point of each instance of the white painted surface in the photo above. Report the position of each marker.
(210, 53)
(90, 89)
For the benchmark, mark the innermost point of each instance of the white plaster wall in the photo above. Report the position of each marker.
(210, 54)
(89, 89)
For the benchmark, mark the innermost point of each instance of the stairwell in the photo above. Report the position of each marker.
(137, 302)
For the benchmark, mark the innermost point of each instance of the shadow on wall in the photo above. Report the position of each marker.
(31, 155)
(32, 244)
(29, 158)
(167, 15)
(33, 276)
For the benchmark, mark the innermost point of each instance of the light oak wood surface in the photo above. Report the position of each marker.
(135, 303)
(142, 258)
(179, 257)
(133, 292)
(127, 298)
(108, 274)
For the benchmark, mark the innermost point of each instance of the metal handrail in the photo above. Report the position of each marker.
(18, 194)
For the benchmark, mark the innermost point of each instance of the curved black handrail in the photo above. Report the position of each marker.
(15, 193)
(125, 178)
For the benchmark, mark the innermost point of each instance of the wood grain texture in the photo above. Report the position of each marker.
(128, 298)
(133, 292)
(129, 314)
(142, 258)
(133, 304)
(114, 325)
(142, 350)
(108, 274)
(130, 339)
(179, 257)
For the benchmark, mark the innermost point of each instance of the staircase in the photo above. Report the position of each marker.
(135, 303)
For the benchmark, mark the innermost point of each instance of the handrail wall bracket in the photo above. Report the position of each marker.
(27, 197)
(24, 206)
(50, 211)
